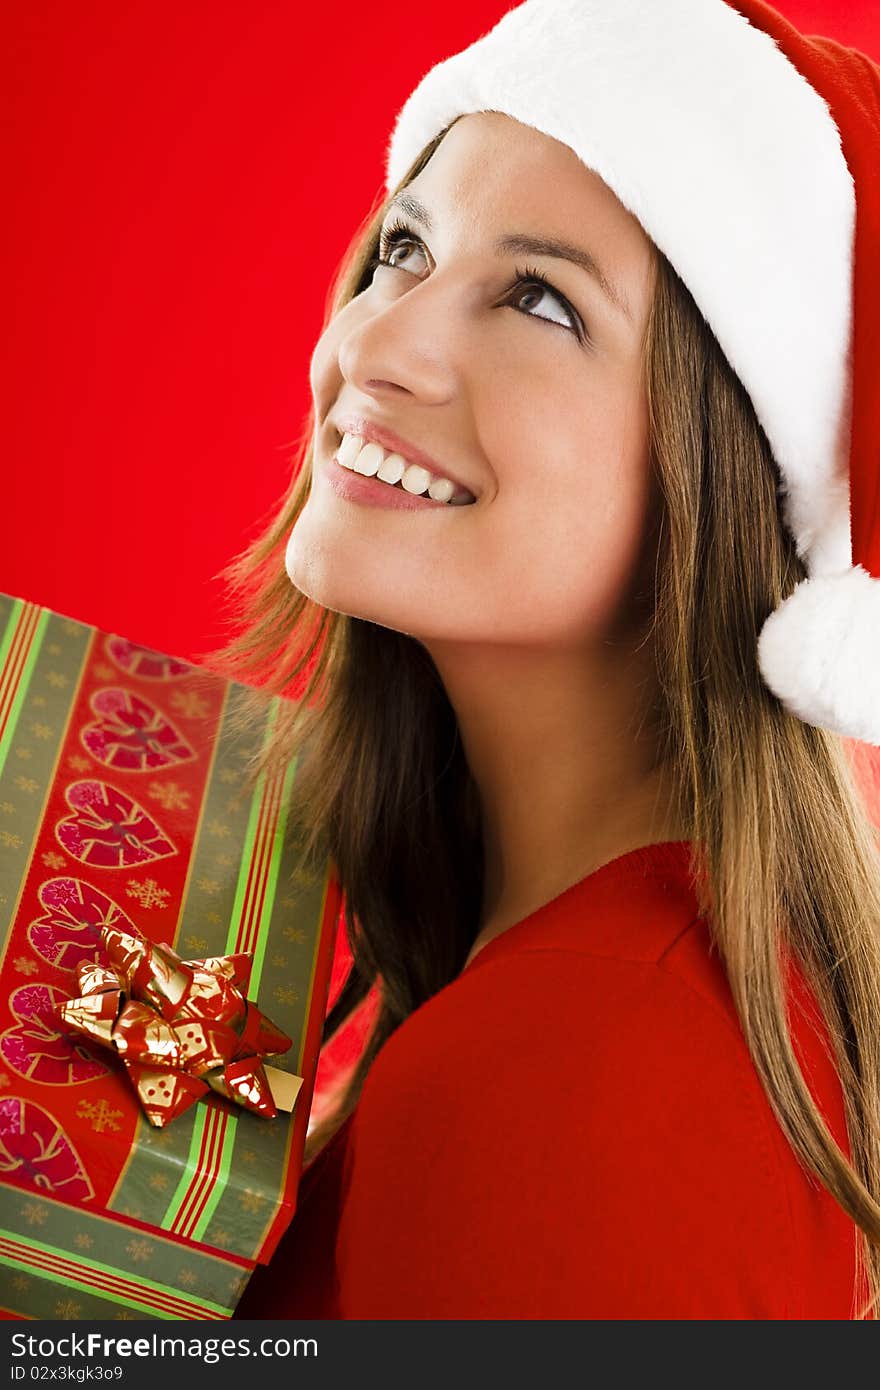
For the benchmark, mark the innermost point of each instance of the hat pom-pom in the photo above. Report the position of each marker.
(819, 652)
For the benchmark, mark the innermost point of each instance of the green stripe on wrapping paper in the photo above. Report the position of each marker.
(106, 1279)
(15, 609)
(109, 1281)
(269, 873)
(189, 1170)
(219, 1186)
(24, 678)
(185, 1276)
(178, 1215)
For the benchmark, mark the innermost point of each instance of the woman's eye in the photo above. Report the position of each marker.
(528, 281)
(534, 284)
(390, 243)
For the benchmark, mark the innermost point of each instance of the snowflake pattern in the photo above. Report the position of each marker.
(83, 1241)
(218, 828)
(42, 731)
(229, 776)
(57, 679)
(171, 796)
(159, 1182)
(224, 860)
(23, 753)
(251, 1201)
(279, 961)
(25, 966)
(105, 673)
(208, 885)
(140, 1250)
(78, 762)
(40, 701)
(10, 840)
(294, 934)
(186, 1279)
(7, 808)
(53, 860)
(189, 704)
(285, 994)
(68, 1309)
(21, 1283)
(34, 1213)
(100, 1114)
(196, 943)
(249, 1156)
(147, 892)
(214, 918)
(27, 784)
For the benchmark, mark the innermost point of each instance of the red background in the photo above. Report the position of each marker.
(181, 182)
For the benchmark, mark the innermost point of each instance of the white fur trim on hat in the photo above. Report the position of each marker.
(815, 653)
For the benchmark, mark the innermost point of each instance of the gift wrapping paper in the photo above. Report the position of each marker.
(123, 801)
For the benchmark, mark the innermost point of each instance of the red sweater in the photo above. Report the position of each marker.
(574, 1128)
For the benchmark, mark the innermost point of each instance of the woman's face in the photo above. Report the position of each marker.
(490, 377)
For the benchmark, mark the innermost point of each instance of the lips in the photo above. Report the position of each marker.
(371, 431)
(372, 492)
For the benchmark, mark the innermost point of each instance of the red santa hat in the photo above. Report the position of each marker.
(750, 154)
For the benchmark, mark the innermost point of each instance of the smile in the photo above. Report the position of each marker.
(371, 460)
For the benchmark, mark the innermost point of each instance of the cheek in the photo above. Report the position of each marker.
(561, 546)
(559, 571)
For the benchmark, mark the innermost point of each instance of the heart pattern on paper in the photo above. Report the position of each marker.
(37, 1049)
(75, 915)
(34, 1147)
(109, 829)
(132, 734)
(144, 662)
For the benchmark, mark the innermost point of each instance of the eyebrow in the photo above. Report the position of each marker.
(519, 243)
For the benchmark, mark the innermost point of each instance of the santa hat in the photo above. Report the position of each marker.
(750, 154)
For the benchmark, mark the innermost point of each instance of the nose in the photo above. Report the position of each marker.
(404, 345)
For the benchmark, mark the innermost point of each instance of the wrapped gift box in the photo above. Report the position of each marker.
(123, 795)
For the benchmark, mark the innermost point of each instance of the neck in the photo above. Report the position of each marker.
(565, 765)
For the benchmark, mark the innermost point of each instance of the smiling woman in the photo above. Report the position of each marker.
(605, 862)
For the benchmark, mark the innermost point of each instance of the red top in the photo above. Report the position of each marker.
(573, 1128)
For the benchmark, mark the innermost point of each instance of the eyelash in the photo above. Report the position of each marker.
(526, 276)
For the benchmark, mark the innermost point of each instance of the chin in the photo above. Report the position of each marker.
(304, 568)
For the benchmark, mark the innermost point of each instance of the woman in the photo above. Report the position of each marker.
(574, 747)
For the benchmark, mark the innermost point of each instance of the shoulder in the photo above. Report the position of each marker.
(533, 1004)
(606, 1124)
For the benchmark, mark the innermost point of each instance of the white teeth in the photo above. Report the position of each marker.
(416, 479)
(441, 489)
(392, 469)
(368, 460)
(349, 449)
(371, 460)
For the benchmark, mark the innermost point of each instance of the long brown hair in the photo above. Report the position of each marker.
(781, 834)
